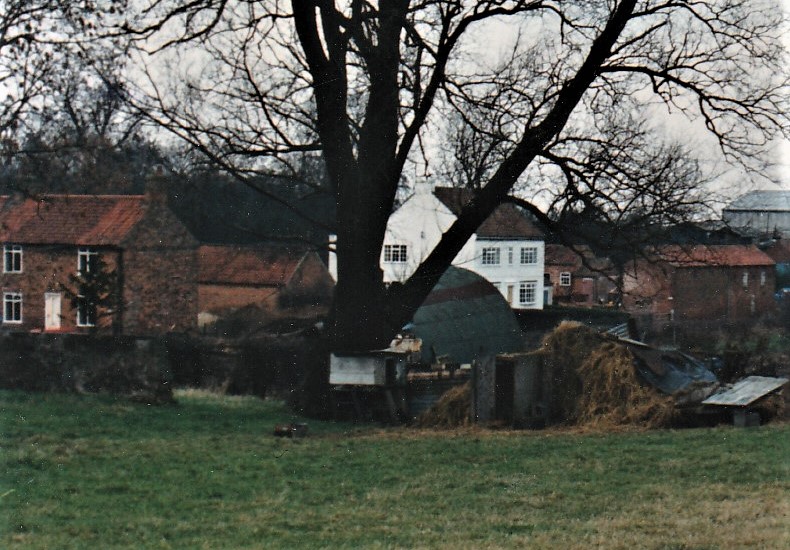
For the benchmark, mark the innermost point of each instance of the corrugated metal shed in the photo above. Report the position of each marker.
(667, 370)
(765, 201)
(747, 391)
(465, 317)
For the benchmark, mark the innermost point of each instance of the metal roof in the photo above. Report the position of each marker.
(774, 201)
(746, 391)
(465, 317)
(667, 370)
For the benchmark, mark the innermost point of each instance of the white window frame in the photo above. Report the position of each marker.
(745, 279)
(82, 312)
(525, 288)
(490, 255)
(529, 255)
(85, 255)
(763, 278)
(12, 253)
(11, 299)
(565, 278)
(396, 253)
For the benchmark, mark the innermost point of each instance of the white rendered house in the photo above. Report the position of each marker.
(507, 249)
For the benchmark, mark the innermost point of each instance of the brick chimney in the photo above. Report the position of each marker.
(156, 186)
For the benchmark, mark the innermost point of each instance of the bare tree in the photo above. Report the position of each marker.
(370, 84)
(40, 40)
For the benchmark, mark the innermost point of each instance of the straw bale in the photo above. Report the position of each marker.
(454, 408)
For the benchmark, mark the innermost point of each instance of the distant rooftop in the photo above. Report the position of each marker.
(506, 222)
(730, 255)
(765, 201)
(70, 219)
(260, 265)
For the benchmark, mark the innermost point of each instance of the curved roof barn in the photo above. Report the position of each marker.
(465, 317)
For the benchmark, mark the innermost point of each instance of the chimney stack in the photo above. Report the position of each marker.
(156, 185)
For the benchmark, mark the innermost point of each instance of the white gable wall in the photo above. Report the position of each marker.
(419, 224)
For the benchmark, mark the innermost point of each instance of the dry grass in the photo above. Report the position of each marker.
(453, 409)
(612, 395)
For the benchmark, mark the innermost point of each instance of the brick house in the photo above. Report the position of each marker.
(278, 280)
(578, 277)
(700, 287)
(50, 237)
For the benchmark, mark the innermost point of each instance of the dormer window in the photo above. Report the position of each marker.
(12, 258)
(87, 260)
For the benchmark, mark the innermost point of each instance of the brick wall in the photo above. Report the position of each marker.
(44, 268)
(688, 302)
(156, 266)
(159, 274)
(720, 293)
(160, 291)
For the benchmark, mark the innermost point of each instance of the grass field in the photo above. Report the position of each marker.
(93, 472)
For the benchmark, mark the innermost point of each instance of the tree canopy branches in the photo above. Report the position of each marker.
(560, 90)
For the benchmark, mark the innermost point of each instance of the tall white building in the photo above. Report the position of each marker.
(507, 250)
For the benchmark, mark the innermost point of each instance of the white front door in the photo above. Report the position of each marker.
(52, 311)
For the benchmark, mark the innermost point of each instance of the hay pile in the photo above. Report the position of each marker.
(592, 381)
(453, 409)
(613, 396)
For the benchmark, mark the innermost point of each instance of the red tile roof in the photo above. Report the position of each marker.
(506, 222)
(580, 259)
(558, 254)
(93, 220)
(247, 265)
(713, 255)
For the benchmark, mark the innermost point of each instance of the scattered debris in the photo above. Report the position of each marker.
(746, 391)
(295, 431)
(594, 379)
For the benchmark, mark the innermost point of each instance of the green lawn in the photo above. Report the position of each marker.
(93, 472)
